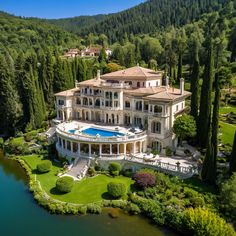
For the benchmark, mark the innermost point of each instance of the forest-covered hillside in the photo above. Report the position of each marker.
(145, 18)
(21, 34)
(75, 24)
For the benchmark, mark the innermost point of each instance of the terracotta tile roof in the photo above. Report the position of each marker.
(92, 82)
(170, 94)
(133, 72)
(144, 91)
(68, 93)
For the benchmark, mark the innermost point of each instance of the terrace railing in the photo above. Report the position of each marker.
(173, 169)
(84, 137)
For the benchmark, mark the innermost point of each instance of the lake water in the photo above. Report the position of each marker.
(21, 216)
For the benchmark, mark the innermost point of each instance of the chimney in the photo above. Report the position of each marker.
(98, 74)
(181, 86)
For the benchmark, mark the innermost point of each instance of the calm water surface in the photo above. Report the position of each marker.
(21, 216)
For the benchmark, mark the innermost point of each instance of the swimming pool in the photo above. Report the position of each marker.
(72, 131)
(103, 133)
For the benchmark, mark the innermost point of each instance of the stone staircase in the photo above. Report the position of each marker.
(79, 169)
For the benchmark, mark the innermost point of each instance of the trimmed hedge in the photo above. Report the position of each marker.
(44, 167)
(116, 190)
(114, 168)
(65, 184)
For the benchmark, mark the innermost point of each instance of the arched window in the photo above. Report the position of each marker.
(97, 103)
(138, 84)
(90, 101)
(139, 105)
(127, 104)
(127, 119)
(85, 101)
(156, 127)
(78, 101)
(113, 118)
(157, 109)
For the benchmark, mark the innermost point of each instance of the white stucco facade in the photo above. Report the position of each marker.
(135, 97)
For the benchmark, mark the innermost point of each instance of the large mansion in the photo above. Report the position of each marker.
(118, 114)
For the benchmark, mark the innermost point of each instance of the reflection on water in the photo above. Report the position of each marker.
(20, 215)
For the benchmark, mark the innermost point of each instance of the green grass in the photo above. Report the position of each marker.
(88, 190)
(227, 109)
(227, 131)
(18, 141)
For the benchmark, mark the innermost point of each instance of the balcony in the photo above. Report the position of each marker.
(115, 85)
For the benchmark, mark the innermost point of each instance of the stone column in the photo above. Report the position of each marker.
(112, 99)
(134, 147)
(63, 115)
(89, 150)
(71, 146)
(78, 149)
(118, 149)
(110, 149)
(140, 146)
(100, 150)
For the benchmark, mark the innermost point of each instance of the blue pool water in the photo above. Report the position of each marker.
(103, 133)
(72, 131)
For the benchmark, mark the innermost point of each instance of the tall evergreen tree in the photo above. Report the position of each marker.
(206, 92)
(232, 163)
(195, 81)
(10, 106)
(182, 43)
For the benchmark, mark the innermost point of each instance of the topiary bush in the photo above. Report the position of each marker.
(65, 184)
(116, 190)
(144, 179)
(128, 173)
(44, 167)
(114, 168)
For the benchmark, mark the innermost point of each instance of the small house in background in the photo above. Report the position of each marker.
(94, 51)
(73, 52)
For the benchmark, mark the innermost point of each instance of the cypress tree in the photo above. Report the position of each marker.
(208, 172)
(205, 103)
(232, 163)
(195, 82)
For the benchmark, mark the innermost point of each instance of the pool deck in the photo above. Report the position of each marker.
(77, 125)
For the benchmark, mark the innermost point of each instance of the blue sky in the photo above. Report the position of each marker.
(64, 8)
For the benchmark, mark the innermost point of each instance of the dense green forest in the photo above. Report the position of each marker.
(148, 17)
(75, 24)
(32, 68)
(21, 35)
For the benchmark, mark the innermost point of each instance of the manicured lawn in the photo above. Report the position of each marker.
(227, 109)
(227, 131)
(88, 190)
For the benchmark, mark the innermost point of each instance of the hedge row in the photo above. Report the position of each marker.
(198, 221)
